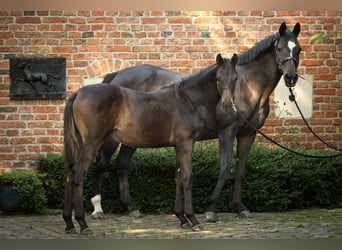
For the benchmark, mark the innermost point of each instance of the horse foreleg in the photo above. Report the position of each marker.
(184, 155)
(102, 164)
(244, 144)
(123, 162)
(226, 141)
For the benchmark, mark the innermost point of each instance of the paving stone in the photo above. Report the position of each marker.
(303, 224)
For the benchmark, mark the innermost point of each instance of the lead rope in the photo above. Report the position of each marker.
(293, 99)
(283, 147)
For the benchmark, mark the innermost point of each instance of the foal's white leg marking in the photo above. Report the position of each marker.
(96, 201)
(291, 45)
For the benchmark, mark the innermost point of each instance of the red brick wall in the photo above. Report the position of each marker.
(98, 42)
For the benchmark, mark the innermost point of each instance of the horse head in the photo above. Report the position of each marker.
(226, 77)
(287, 50)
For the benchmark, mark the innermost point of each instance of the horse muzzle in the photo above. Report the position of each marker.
(228, 104)
(290, 80)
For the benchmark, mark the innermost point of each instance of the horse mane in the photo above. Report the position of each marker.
(259, 48)
(179, 85)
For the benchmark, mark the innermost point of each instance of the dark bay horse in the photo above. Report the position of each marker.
(259, 71)
(177, 115)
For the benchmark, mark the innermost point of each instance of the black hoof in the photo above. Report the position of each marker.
(186, 225)
(197, 228)
(211, 216)
(86, 231)
(136, 214)
(71, 231)
(98, 216)
(245, 214)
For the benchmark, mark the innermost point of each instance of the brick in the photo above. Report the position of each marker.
(55, 20)
(324, 91)
(22, 140)
(42, 109)
(8, 109)
(100, 20)
(154, 20)
(27, 20)
(6, 20)
(196, 48)
(12, 124)
(288, 13)
(312, 62)
(145, 49)
(40, 124)
(92, 49)
(179, 20)
(8, 157)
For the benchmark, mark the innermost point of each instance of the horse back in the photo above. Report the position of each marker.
(143, 77)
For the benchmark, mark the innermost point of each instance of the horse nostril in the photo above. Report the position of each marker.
(290, 80)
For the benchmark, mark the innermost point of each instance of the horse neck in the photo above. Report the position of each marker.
(201, 87)
(262, 77)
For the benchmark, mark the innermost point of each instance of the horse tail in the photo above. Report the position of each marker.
(72, 138)
(109, 77)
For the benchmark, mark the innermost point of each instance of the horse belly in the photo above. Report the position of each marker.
(145, 130)
(141, 138)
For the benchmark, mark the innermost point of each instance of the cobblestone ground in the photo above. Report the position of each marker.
(303, 224)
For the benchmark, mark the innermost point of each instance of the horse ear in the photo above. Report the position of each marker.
(234, 59)
(282, 29)
(296, 29)
(219, 60)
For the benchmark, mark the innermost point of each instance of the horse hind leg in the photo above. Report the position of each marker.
(123, 162)
(101, 166)
(67, 211)
(179, 212)
(184, 156)
(75, 181)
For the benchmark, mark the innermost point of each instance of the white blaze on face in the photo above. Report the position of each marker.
(291, 45)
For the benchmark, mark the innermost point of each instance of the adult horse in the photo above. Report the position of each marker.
(259, 71)
(176, 115)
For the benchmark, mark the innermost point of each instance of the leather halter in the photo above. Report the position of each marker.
(289, 58)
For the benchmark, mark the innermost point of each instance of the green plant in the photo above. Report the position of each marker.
(29, 188)
(53, 177)
(320, 37)
(275, 180)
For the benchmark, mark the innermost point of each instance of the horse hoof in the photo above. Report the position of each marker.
(98, 216)
(197, 228)
(136, 214)
(186, 225)
(245, 214)
(71, 231)
(87, 231)
(211, 216)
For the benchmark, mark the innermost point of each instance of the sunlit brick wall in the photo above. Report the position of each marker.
(97, 42)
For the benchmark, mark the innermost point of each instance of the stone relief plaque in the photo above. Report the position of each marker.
(37, 78)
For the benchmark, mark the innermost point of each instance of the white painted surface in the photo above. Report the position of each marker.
(303, 93)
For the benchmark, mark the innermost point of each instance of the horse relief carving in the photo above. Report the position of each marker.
(37, 78)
